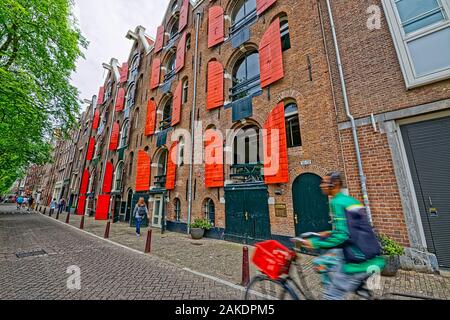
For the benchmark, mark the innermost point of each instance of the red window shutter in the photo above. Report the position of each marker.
(120, 99)
(184, 15)
(216, 26)
(81, 205)
(181, 53)
(101, 94)
(101, 212)
(263, 5)
(275, 156)
(156, 73)
(124, 73)
(213, 160)
(151, 118)
(215, 93)
(107, 181)
(176, 109)
(143, 171)
(271, 55)
(171, 167)
(84, 182)
(159, 39)
(114, 143)
(96, 120)
(90, 150)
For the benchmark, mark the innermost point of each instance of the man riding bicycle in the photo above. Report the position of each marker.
(350, 258)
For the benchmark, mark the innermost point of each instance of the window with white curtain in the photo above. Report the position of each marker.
(421, 33)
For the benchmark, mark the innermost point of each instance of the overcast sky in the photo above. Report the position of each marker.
(105, 23)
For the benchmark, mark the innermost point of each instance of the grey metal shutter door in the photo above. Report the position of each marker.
(427, 146)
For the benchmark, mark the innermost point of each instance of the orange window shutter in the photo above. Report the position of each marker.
(96, 120)
(114, 143)
(215, 95)
(101, 94)
(143, 171)
(120, 99)
(159, 39)
(124, 73)
(81, 205)
(271, 55)
(156, 73)
(181, 53)
(176, 109)
(276, 168)
(216, 26)
(263, 5)
(184, 15)
(107, 181)
(101, 211)
(151, 118)
(214, 177)
(84, 182)
(90, 150)
(171, 167)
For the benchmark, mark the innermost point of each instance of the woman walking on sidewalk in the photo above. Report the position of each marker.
(140, 211)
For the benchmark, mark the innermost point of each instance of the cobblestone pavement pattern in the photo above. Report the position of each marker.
(107, 271)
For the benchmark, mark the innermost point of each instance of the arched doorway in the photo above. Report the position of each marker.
(128, 207)
(311, 208)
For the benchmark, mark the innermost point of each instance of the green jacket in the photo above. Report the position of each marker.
(340, 234)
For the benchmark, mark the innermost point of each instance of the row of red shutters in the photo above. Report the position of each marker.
(275, 158)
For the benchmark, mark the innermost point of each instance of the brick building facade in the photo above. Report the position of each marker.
(254, 66)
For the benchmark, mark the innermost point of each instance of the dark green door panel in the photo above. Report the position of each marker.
(247, 214)
(311, 208)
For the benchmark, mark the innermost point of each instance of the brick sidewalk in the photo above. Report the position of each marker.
(223, 259)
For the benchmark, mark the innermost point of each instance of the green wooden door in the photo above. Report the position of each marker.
(311, 208)
(134, 200)
(247, 214)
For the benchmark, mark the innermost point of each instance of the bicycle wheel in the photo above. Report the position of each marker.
(263, 288)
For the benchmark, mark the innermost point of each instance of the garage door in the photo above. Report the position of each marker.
(427, 146)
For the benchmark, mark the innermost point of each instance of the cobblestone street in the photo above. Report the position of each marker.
(112, 272)
(107, 271)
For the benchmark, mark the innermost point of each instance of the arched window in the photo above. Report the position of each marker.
(91, 181)
(188, 41)
(118, 177)
(161, 169)
(246, 146)
(136, 118)
(170, 66)
(134, 68)
(167, 115)
(246, 80)
(181, 145)
(124, 134)
(130, 165)
(243, 11)
(130, 96)
(177, 209)
(97, 148)
(284, 30)
(292, 125)
(209, 211)
(174, 6)
(173, 28)
(185, 91)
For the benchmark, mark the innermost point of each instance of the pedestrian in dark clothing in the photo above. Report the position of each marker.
(139, 213)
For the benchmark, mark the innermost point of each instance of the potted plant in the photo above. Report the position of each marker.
(391, 253)
(198, 228)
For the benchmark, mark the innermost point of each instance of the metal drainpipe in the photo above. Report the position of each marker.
(194, 102)
(349, 115)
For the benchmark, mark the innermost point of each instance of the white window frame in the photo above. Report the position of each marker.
(401, 40)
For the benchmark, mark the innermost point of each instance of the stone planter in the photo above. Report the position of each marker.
(392, 266)
(197, 233)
